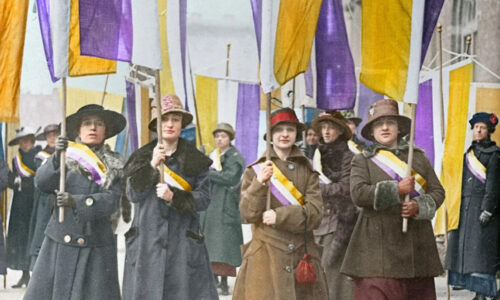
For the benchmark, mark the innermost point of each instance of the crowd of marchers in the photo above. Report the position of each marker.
(326, 212)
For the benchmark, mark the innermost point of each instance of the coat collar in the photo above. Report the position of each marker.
(487, 146)
(402, 146)
(295, 156)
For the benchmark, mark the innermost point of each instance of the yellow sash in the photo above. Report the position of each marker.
(173, 179)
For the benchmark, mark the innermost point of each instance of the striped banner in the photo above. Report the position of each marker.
(282, 188)
(173, 179)
(475, 166)
(89, 160)
(43, 156)
(23, 170)
(215, 157)
(355, 148)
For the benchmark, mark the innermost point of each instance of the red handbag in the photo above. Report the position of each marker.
(306, 274)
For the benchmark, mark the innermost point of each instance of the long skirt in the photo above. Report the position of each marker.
(377, 288)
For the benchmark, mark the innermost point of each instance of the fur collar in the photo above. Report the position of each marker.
(402, 146)
(487, 146)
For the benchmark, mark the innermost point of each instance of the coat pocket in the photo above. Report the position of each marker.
(231, 212)
(131, 245)
(196, 253)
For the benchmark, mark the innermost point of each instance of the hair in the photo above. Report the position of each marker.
(491, 129)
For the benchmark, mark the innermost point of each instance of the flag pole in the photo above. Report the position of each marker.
(227, 59)
(413, 108)
(268, 142)
(62, 157)
(158, 116)
(198, 130)
(304, 132)
(104, 91)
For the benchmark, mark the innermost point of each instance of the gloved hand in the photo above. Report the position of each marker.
(484, 217)
(65, 199)
(61, 145)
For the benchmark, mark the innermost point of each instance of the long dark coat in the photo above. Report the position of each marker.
(473, 248)
(270, 259)
(20, 214)
(4, 175)
(40, 216)
(221, 223)
(166, 256)
(78, 259)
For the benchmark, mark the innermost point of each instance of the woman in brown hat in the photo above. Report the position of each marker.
(385, 262)
(22, 183)
(166, 256)
(221, 223)
(78, 256)
(280, 234)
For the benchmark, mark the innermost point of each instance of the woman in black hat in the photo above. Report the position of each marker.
(21, 181)
(78, 257)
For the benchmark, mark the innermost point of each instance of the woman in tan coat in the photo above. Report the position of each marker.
(385, 262)
(279, 235)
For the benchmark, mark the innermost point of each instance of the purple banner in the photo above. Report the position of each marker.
(424, 129)
(131, 117)
(247, 121)
(106, 29)
(44, 20)
(257, 21)
(366, 98)
(336, 81)
(431, 16)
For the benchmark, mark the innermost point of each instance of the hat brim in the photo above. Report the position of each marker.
(315, 124)
(187, 118)
(115, 122)
(15, 141)
(404, 124)
(356, 120)
(300, 127)
(41, 136)
(230, 133)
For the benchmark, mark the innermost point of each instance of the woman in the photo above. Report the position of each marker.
(166, 256)
(40, 215)
(78, 256)
(221, 223)
(311, 142)
(280, 233)
(339, 213)
(385, 262)
(21, 181)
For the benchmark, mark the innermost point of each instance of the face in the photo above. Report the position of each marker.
(284, 136)
(480, 131)
(92, 130)
(385, 131)
(352, 126)
(171, 126)
(222, 140)
(51, 137)
(26, 144)
(330, 131)
(311, 137)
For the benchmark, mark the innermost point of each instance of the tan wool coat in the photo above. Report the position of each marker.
(378, 247)
(271, 258)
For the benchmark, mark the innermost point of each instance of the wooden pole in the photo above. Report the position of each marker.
(62, 157)
(198, 131)
(304, 133)
(4, 204)
(158, 116)
(268, 142)
(413, 107)
(227, 59)
(293, 93)
(104, 92)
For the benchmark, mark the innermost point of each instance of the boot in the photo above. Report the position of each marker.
(25, 278)
(479, 297)
(223, 286)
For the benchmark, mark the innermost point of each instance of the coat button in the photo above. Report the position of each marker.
(89, 201)
(291, 167)
(67, 238)
(80, 241)
(291, 247)
(288, 269)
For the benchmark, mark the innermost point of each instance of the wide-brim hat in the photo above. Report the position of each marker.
(350, 116)
(225, 127)
(335, 117)
(21, 133)
(115, 122)
(286, 115)
(491, 120)
(385, 108)
(170, 104)
(47, 129)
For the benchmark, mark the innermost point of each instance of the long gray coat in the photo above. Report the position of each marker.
(221, 223)
(166, 257)
(474, 247)
(78, 257)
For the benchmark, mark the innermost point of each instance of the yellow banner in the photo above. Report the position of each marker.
(83, 65)
(13, 16)
(487, 100)
(385, 46)
(167, 83)
(207, 103)
(295, 32)
(454, 148)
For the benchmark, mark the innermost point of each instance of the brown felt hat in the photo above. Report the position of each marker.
(225, 127)
(170, 103)
(335, 117)
(350, 116)
(385, 108)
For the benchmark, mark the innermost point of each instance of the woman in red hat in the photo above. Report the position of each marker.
(282, 234)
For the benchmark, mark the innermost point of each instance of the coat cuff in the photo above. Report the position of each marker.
(144, 178)
(386, 195)
(183, 201)
(426, 207)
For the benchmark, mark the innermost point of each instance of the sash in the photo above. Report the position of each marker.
(42, 155)
(355, 148)
(215, 157)
(173, 179)
(89, 160)
(282, 188)
(475, 166)
(23, 170)
(396, 169)
(319, 168)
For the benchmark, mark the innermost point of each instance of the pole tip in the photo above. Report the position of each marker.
(468, 39)
(439, 27)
